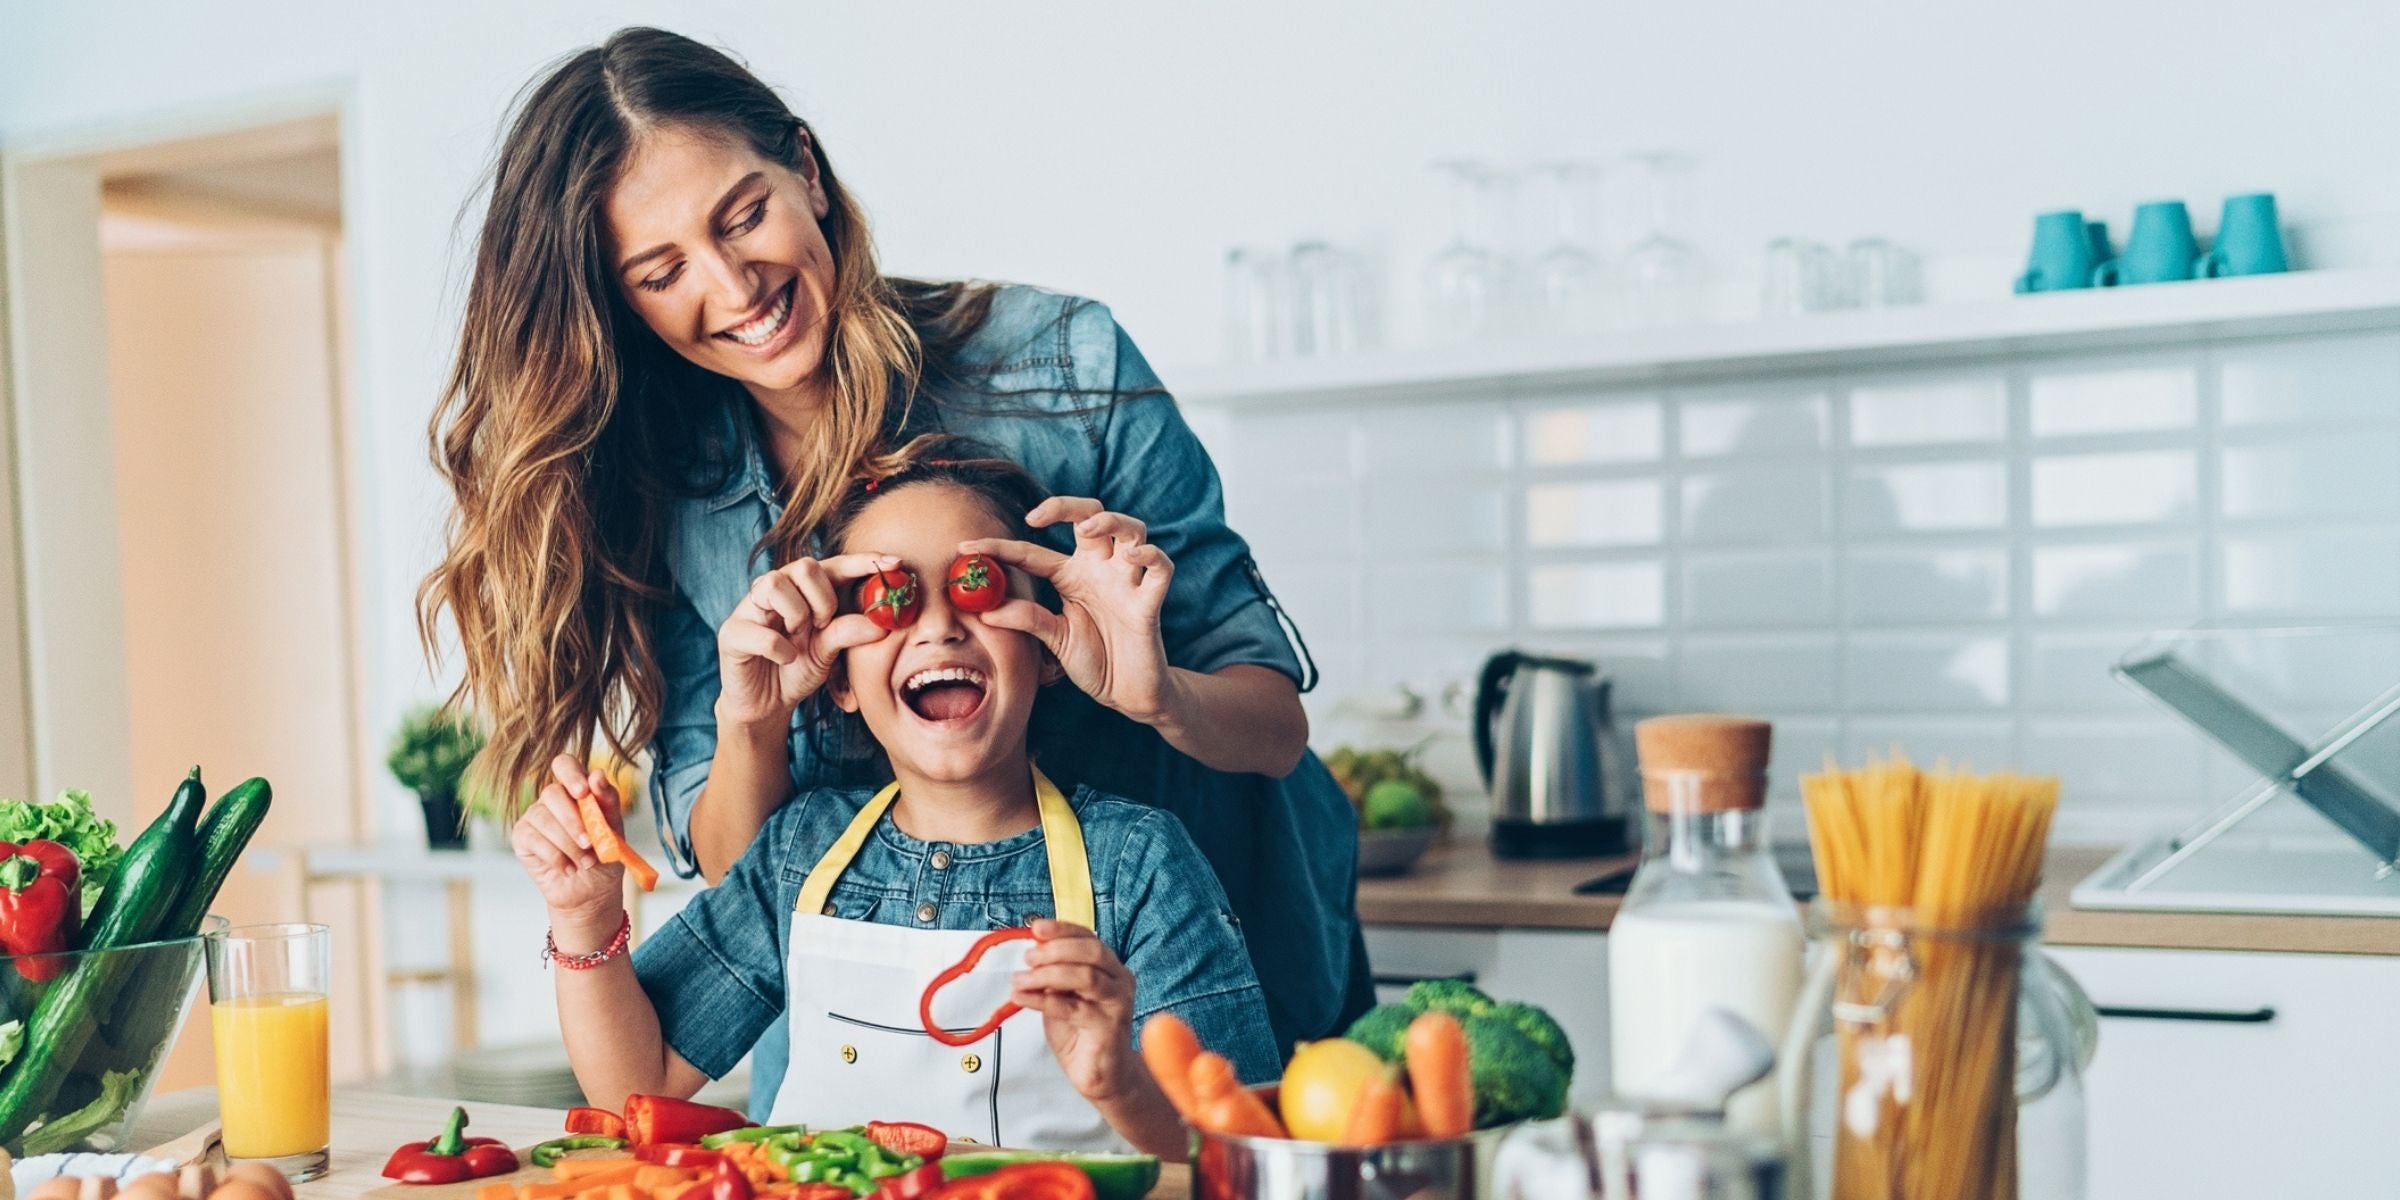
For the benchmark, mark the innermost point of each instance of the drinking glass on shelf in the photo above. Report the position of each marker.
(1883, 274)
(1662, 275)
(1566, 282)
(1253, 304)
(1467, 281)
(1785, 284)
(1324, 320)
(267, 1009)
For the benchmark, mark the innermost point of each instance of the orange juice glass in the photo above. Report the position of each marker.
(267, 1008)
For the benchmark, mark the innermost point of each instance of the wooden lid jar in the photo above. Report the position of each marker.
(1702, 762)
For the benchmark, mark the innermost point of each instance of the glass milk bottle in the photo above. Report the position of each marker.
(1708, 921)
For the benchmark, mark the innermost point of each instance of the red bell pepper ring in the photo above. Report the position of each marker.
(904, 1138)
(1021, 1181)
(597, 1121)
(677, 1154)
(650, 1119)
(952, 974)
(728, 1183)
(913, 1184)
(41, 910)
(450, 1158)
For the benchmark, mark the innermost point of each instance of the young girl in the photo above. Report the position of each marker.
(850, 902)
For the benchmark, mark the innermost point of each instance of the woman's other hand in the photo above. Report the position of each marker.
(1085, 995)
(586, 897)
(782, 640)
(1106, 634)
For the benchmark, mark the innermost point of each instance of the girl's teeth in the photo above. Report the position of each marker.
(758, 331)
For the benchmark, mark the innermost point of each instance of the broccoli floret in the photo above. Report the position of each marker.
(1383, 1029)
(1538, 1025)
(1454, 996)
(1514, 1076)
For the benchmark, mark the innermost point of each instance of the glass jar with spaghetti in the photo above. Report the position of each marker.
(1935, 1051)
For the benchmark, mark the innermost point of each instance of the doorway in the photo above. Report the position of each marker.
(179, 334)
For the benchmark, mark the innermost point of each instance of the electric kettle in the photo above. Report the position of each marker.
(1550, 758)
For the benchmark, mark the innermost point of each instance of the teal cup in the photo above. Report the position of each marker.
(2160, 249)
(2249, 239)
(2062, 256)
(2102, 251)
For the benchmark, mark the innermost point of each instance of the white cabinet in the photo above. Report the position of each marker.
(2242, 1075)
(1563, 971)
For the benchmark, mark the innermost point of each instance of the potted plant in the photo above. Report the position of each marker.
(429, 756)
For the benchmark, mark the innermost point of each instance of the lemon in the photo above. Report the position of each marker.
(1323, 1084)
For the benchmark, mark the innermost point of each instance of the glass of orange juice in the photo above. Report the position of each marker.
(267, 1008)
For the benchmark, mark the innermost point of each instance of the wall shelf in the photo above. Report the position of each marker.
(2116, 318)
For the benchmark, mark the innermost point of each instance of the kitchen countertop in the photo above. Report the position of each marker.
(1459, 884)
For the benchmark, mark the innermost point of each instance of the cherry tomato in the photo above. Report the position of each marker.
(891, 598)
(977, 584)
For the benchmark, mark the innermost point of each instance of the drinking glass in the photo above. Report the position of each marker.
(1662, 275)
(267, 1009)
(1787, 286)
(1567, 283)
(1884, 274)
(1323, 316)
(1254, 303)
(1467, 280)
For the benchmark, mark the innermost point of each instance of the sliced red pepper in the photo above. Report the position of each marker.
(904, 1138)
(595, 1121)
(807, 1191)
(651, 1119)
(451, 1157)
(677, 1154)
(912, 1184)
(40, 906)
(952, 974)
(1021, 1181)
(728, 1183)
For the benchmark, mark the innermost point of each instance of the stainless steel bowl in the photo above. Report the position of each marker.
(1247, 1168)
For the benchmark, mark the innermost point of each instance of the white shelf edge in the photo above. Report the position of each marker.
(2132, 317)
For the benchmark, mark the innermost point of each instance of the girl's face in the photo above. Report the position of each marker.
(949, 696)
(719, 251)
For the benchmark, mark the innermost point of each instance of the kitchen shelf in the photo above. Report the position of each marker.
(2115, 318)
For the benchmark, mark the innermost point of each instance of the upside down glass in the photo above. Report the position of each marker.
(267, 1010)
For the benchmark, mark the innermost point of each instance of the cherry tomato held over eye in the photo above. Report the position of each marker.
(891, 598)
(977, 584)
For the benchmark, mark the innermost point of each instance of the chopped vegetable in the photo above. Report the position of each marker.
(678, 1154)
(908, 1139)
(666, 1119)
(547, 1154)
(595, 1120)
(71, 822)
(959, 971)
(1021, 1181)
(450, 1157)
(912, 1183)
(1113, 1176)
(749, 1133)
(611, 848)
(729, 1183)
(41, 912)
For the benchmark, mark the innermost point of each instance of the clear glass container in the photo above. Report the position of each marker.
(1935, 1063)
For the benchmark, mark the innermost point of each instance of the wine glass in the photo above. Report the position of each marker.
(1467, 280)
(1567, 283)
(1662, 276)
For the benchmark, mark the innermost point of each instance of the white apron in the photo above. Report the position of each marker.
(860, 1051)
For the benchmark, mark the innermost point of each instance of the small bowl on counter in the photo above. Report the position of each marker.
(1233, 1167)
(1393, 851)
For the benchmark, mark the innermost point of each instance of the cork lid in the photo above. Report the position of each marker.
(1702, 762)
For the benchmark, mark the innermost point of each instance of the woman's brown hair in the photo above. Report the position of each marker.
(568, 430)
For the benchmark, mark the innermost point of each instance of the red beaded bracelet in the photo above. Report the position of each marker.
(585, 962)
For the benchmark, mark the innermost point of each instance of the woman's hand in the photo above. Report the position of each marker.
(1110, 590)
(586, 897)
(784, 637)
(1085, 996)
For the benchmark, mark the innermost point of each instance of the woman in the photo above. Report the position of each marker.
(677, 352)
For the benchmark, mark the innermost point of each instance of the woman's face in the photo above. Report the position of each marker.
(719, 251)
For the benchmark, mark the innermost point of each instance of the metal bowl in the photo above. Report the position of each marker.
(1392, 851)
(1226, 1167)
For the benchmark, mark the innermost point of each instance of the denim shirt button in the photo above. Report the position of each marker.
(941, 860)
(926, 913)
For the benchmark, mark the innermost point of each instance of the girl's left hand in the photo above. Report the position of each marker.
(1085, 996)
(1110, 591)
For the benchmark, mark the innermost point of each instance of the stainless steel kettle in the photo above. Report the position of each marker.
(1550, 759)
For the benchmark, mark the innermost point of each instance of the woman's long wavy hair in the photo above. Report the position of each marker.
(567, 429)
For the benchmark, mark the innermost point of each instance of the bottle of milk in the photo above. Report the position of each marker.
(1708, 921)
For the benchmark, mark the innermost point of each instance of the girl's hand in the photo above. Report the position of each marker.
(586, 896)
(784, 637)
(1085, 996)
(1110, 591)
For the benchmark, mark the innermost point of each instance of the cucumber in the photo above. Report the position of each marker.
(130, 910)
(1113, 1176)
(224, 833)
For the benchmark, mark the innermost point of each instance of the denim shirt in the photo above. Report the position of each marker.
(1044, 366)
(716, 972)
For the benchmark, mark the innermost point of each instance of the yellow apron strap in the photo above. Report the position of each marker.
(1070, 867)
(818, 888)
(1062, 837)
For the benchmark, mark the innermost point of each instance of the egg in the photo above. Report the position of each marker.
(264, 1176)
(238, 1187)
(157, 1185)
(194, 1182)
(62, 1187)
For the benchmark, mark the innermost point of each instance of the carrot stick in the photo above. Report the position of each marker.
(609, 847)
(1168, 1047)
(573, 1170)
(1379, 1115)
(496, 1191)
(1224, 1105)
(1437, 1069)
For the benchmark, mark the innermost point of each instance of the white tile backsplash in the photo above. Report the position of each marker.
(1947, 559)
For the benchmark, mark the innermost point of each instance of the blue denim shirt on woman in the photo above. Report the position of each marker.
(1044, 368)
(715, 972)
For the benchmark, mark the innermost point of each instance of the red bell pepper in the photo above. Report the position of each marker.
(952, 974)
(1021, 1181)
(677, 1154)
(904, 1138)
(651, 1119)
(452, 1157)
(728, 1183)
(598, 1121)
(41, 910)
(911, 1185)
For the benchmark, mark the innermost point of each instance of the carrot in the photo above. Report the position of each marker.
(655, 1178)
(1223, 1105)
(574, 1170)
(496, 1191)
(1380, 1115)
(609, 847)
(1169, 1046)
(1437, 1069)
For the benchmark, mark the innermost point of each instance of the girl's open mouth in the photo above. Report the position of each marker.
(944, 694)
